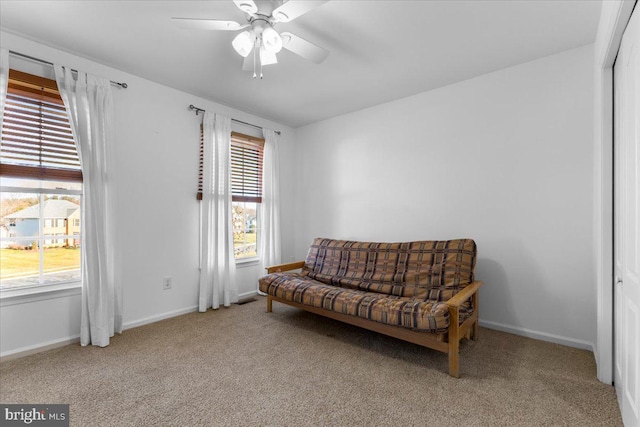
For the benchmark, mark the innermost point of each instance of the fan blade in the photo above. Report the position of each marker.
(247, 6)
(208, 24)
(293, 9)
(305, 49)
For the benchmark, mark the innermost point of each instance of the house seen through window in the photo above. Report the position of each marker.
(40, 187)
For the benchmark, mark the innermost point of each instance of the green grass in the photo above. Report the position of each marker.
(249, 237)
(18, 263)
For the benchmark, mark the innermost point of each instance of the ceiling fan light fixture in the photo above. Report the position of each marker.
(260, 37)
(243, 43)
(267, 58)
(271, 40)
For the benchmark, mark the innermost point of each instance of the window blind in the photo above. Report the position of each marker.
(246, 168)
(37, 141)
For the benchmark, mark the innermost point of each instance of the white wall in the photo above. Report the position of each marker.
(505, 158)
(156, 150)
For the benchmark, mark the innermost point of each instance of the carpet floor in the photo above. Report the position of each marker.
(241, 366)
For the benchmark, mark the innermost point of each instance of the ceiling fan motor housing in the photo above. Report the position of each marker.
(259, 23)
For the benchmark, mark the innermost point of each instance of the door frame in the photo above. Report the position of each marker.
(614, 17)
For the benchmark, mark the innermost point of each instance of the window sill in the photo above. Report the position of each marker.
(247, 262)
(38, 293)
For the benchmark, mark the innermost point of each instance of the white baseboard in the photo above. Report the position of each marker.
(248, 294)
(37, 348)
(158, 317)
(542, 336)
(174, 313)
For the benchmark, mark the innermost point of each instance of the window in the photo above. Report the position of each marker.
(40, 187)
(245, 230)
(246, 168)
(246, 190)
(36, 136)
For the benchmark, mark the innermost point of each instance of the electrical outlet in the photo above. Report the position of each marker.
(167, 283)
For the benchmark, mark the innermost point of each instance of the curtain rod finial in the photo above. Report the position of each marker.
(198, 110)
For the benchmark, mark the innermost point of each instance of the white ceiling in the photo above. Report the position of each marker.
(380, 50)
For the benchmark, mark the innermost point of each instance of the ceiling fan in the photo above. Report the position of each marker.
(259, 35)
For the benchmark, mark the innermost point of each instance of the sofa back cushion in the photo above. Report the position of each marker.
(429, 270)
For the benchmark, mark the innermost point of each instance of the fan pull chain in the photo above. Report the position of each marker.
(254, 62)
(260, 56)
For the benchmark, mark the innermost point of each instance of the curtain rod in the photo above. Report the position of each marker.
(198, 110)
(42, 61)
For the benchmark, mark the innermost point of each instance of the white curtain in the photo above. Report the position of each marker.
(270, 251)
(217, 266)
(89, 104)
(4, 80)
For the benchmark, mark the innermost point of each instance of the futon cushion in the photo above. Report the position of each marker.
(423, 270)
(416, 314)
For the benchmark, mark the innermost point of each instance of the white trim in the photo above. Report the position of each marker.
(542, 336)
(38, 348)
(248, 294)
(158, 317)
(247, 262)
(44, 236)
(175, 313)
(613, 20)
(38, 293)
(35, 190)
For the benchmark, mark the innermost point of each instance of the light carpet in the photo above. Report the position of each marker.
(241, 366)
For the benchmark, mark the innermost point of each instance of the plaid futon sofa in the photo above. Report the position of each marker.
(423, 292)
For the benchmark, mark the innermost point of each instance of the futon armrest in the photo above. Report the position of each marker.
(285, 267)
(462, 296)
